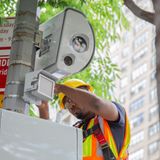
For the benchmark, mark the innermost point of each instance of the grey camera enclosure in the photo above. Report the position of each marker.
(68, 43)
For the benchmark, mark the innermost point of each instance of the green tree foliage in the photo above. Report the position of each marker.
(7, 8)
(107, 19)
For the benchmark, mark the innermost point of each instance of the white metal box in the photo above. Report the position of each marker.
(26, 138)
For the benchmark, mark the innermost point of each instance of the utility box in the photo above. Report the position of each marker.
(26, 138)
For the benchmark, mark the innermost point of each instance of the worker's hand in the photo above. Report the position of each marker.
(43, 105)
(43, 110)
(57, 88)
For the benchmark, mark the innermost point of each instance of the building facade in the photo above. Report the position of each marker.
(136, 89)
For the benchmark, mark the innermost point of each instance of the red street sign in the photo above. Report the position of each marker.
(6, 32)
(4, 63)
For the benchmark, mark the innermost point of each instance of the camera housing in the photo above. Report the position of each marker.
(68, 44)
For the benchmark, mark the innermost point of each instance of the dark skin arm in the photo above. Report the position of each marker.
(44, 110)
(89, 102)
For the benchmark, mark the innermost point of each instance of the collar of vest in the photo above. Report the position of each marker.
(83, 122)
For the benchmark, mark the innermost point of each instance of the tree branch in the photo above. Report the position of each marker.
(147, 16)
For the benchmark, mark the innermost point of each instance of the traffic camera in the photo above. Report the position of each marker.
(66, 47)
(68, 44)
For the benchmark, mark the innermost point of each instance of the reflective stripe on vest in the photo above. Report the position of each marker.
(91, 146)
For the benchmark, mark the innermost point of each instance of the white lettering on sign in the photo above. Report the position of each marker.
(3, 72)
(4, 62)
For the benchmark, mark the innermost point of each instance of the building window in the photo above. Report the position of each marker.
(124, 82)
(130, 17)
(126, 36)
(126, 51)
(137, 138)
(138, 155)
(137, 121)
(153, 94)
(154, 129)
(153, 45)
(124, 67)
(140, 40)
(153, 31)
(153, 112)
(154, 147)
(139, 71)
(138, 87)
(153, 76)
(139, 55)
(145, 6)
(137, 104)
(123, 98)
(153, 61)
(140, 25)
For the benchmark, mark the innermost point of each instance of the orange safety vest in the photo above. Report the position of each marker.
(91, 148)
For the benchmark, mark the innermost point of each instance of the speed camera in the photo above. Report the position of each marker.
(66, 47)
(68, 44)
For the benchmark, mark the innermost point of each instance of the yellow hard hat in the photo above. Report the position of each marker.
(74, 83)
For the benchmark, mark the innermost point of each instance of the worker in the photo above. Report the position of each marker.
(105, 126)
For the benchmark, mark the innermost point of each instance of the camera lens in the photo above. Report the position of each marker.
(68, 60)
(79, 44)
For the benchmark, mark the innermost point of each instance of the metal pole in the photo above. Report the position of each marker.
(21, 55)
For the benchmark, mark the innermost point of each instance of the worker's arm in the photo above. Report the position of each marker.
(90, 102)
(44, 110)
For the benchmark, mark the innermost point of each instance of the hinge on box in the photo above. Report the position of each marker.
(38, 39)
